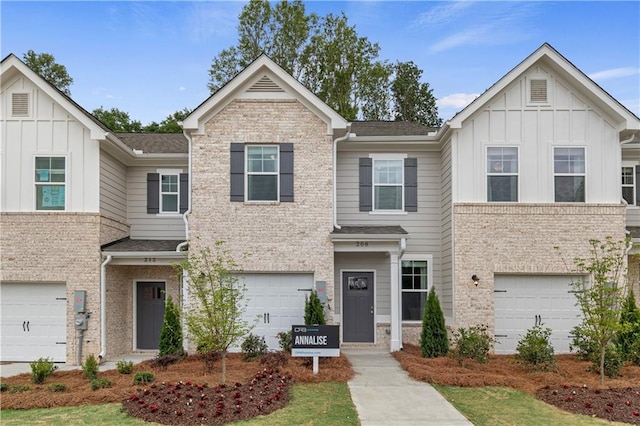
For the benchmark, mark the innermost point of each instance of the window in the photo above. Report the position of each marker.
(569, 175)
(262, 173)
(169, 193)
(629, 185)
(502, 174)
(50, 180)
(388, 183)
(415, 285)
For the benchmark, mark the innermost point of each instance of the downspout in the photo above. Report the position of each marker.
(103, 307)
(335, 174)
(184, 293)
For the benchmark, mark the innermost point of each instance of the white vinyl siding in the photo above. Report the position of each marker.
(445, 289)
(113, 188)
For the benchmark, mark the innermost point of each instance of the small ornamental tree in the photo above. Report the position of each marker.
(434, 341)
(171, 333)
(600, 294)
(313, 310)
(215, 318)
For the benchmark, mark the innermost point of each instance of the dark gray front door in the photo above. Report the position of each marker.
(150, 314)
(357, 306)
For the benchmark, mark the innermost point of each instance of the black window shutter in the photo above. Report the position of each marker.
(184, 192)
(237, 172)
(286, 172)
(365, 184)
(153, 193)
(411, 184)
(637, 185)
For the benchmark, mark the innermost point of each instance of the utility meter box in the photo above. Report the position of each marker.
(80, 322)
(321, 290)
(79, 301)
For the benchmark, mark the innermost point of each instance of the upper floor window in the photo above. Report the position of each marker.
(569, 168)
(50, 182)
(415, 285)
(388, 183)
(629, 184)
(502, 174)
(262, 173)
(169, 193)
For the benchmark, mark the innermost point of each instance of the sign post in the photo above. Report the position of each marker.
(315, 341)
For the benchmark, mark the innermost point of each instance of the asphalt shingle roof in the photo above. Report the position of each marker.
(129, 245)
(370, 230)
(390, 128)
(156, 143)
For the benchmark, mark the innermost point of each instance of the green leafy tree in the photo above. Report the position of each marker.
(44, 64)
(117, 120)
(601, 293)
(412, 100)
(434, 341)
(171, 333)
(171, 124)
(313, 310)
(215, 315)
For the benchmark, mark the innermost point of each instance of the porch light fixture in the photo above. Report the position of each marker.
(475, 279)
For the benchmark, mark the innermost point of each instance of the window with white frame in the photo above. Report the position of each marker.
(415, 279)
(629, 185)
(502, 174)
(569, 168)
(262, 172)
(169, 192)
(388, 184)
(50, 182)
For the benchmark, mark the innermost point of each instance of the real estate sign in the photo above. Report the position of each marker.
(315, 340)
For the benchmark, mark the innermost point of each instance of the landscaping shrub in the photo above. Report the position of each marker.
(614, 357)
(164, 361)
(90, 367)
(581, 344)
(630, 320)
(57, 387)
(434, 341)
(313, 310)
(613, 361)
(473, 343)
(41, 369)
(19, 388)
(124, 367)
(4, 387)
(535, 349)
(284, 340)
(100, 383)
(143, 377)
(171, 333)
(634, 353)
(253, 347)
(274, 359)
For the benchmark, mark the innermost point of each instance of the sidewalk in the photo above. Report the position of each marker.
(384, 394)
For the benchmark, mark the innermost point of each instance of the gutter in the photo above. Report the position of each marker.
(335, 174)
(103, 307)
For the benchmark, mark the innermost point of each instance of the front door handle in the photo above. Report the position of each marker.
(372, 310)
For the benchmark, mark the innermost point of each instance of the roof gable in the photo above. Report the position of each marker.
(263, 78)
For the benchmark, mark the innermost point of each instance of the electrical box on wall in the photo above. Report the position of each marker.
(321, 290)
(80, 301)
(80, 322)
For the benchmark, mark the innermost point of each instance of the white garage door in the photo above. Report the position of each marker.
(33, 321)
(276, 302)
(521, 301)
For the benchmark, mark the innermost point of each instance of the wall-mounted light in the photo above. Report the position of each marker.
(475, 279)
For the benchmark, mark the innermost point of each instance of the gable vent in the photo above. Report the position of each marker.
(19, 104)
(539, 91)
(265, 84)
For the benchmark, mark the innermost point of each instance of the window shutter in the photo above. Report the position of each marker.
(411, 184)
(237, 172)
(286, 172)
(365, 184)
(637, 185)
(184, 192)
(153, 193)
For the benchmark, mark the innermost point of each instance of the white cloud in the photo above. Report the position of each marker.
(182, 88)
(457, 100)
(443, 14)
(472, 36)
(207, 20)
(614, 73)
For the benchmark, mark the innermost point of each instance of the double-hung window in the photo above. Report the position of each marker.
(502, 174)
(415, 285)
(50, 182)
(569, 168)
(169, 193)
(629, 185)
(262, 172)
(388, 184)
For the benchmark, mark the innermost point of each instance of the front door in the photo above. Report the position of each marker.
(357, 307)
(150, 314)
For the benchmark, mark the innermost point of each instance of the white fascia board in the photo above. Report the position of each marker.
(368, 237)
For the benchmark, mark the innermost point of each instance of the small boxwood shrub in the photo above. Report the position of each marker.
(57, 387)
(90, 367)
(472, 343)
(143, 377)
(100, 383)
(41, 369)
(4, 387)
(284, 340)
(253, 347)
(536, 351)
(124, 367)
(19, 388)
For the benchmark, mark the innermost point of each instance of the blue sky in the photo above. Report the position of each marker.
(151, 59)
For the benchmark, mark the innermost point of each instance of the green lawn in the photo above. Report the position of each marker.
(311, 404)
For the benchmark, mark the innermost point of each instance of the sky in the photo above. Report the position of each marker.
(152, 58)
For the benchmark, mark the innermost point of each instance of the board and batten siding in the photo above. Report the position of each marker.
(445, 289)
(365, 262)
(568, 120)
(113, 188)
(144, 225)
(48, 130)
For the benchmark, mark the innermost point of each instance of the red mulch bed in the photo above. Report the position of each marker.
(573, 387)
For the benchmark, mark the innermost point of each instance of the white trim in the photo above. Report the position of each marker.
(487, 174)
(386, 157)
(246, 173)
(554, 174)
(636, 185)
(66, 182)
(375, 302)
(416, 257)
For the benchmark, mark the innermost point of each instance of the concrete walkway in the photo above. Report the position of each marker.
(384, 394)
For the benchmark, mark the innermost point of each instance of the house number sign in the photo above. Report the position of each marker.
(362, 244)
